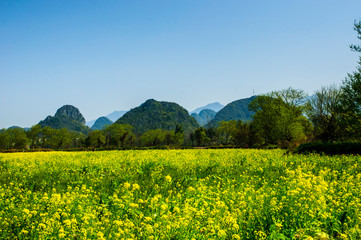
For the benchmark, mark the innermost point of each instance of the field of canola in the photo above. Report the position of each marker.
(179, 194)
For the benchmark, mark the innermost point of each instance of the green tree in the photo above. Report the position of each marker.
(18, 138)
(156, 137)
(234, 132)
(62, 139)
(178, 135)
(242, 136)
(226, 132)
(45, 137)
(34, 135)
(212, 135)
(200, 137)
(322, 110)
(279, 119)
(159, 137)
(96, 139)
(119, 135)
(350, 106)
(5, 142)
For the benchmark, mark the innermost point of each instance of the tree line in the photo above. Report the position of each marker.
(283, 118)
(115, 136)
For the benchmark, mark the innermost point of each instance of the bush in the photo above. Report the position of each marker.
(330, 148)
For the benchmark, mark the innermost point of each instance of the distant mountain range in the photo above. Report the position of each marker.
(216, 106)
(101, 123)
(153, 114)
(14, 127)
(204, 117)
(114, 116)
(236, 110)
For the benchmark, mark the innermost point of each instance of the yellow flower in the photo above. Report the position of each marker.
(221, 233)
(126, 185)
(62, 235)
(42, 225)
(100, 235)
(236, 236)
(164, 207)
(135, 187)
(168, 178)
(278, 225)
(149, 229)
(133, 205)
(176, 209)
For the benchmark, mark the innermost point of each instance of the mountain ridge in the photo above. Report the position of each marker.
(113, 116)
(204, 116)
(101, 123)
(154, 114)
(236, 110)
(68, 117)
(215, 106)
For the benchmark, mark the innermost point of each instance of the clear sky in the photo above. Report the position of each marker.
(102, 56)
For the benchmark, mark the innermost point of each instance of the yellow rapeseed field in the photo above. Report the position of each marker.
(179, 194)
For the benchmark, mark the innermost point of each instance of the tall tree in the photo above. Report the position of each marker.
(322, 110)
(18, 138)
(119, 135)
(34, 136)
(226, 130)
(155, 137)
(234, 132)
(95, 139)
(5, 142)
(351, 96)
(178, 135)
(200, 137)
(278, 118)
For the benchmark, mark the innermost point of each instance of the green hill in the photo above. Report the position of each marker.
(158, 115)
(101, 123)
(204, 117)
(236, 110)
(68, 117)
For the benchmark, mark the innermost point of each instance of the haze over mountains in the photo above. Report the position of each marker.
(151, 115)
(114, 116)
(204, 117)
(216, 106)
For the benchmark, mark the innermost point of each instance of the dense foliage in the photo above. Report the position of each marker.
(72, 112)
(68, 117)
(330, 148)
(236, 110)
(101, 123)
(204, 116)
(179, 194)
(350, 106)
(336, 112)
(64, 121)
(153, 115)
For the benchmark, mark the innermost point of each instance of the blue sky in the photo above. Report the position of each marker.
(102, 56)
